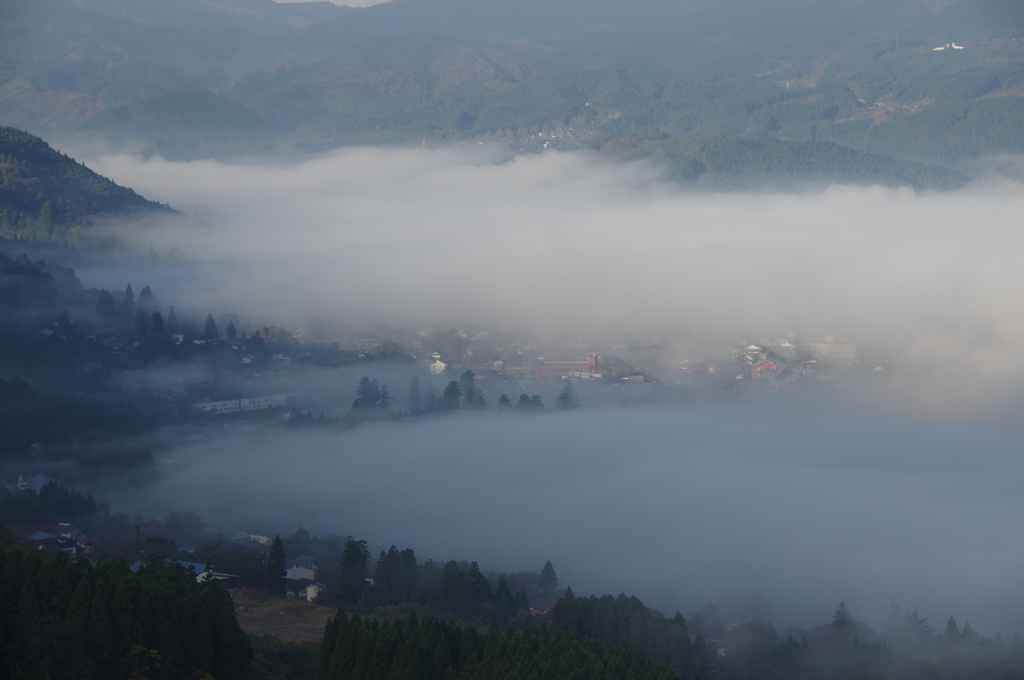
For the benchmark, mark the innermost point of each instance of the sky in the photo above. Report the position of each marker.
(681, 504)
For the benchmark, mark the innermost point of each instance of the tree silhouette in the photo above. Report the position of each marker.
(354, 557)
(842, 618)
(146, 297)
(172, 322)
(450, 396)
(567, 397)
(141, 325)
(105, 305)
(64, 324)
(210, 331)
(951, 628)
(384, 400)
(548, 582)
(414, 402)
(156, 325)
(368, 394)
(275, 569)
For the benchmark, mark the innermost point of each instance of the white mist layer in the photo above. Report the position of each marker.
(679, 507)
(564, 242)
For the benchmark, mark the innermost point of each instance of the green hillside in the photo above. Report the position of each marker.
(176, 124)
(47, 196)
(221, 80)
(732, 162)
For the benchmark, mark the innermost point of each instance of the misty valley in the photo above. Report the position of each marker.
(471, 339)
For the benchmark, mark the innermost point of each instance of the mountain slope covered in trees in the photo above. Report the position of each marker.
(731, 161)
(253, 76)
(47, 196)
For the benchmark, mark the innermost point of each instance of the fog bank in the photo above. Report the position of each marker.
(569, 243)
(677, 506)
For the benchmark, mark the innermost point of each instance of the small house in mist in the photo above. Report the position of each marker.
(203, 574)
(301, 583)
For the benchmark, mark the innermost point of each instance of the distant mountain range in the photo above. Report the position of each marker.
(243, 77)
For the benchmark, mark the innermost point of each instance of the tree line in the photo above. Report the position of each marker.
(411, 649)
(60, 619)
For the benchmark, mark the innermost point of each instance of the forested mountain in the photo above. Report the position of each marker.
(47, 196)
(252, 76)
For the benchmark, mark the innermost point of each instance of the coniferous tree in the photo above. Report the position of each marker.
(450, 397)
(156, 325)
(210, 330)
(414, 402)
(504, 602)
(105, 306)
(567, 397)
(536, 403)
(141, 325)
(384, 400)
(430, 400)
(472, 397)
(172, 322)
(275, 568)
(45, 221)
(548, 582)
(504, 402)
(231, 333)
(74, 620)
(354, 557)
(522, 602)
(126, 312)
(146, 298)
(64, 324)
(524, 402)
(367, 394)
(951, 628)
(842, 618)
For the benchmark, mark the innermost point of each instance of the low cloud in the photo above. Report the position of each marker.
(677, 506)
(570, 245)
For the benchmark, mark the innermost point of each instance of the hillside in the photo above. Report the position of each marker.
(176, 124)
(729, 162)
(47, 196)
(222, 80)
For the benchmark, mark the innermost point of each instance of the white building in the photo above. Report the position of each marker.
(254, 404)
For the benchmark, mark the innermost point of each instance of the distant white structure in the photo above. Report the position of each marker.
(236, 405)
(438, 367)
(948, 46)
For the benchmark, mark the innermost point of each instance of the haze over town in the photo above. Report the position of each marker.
(345, 324)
